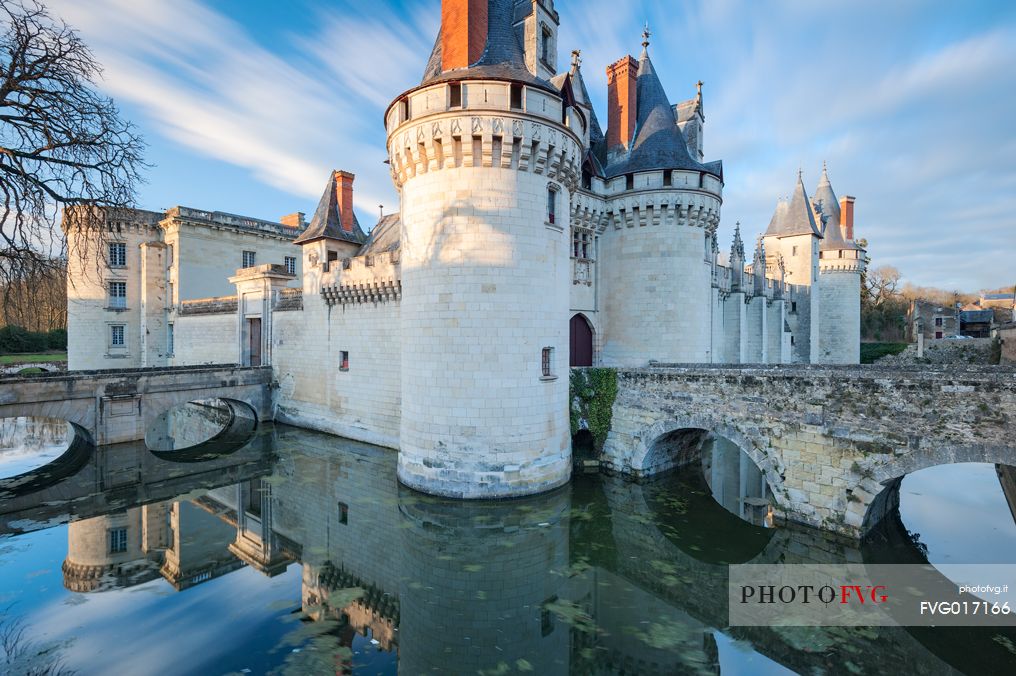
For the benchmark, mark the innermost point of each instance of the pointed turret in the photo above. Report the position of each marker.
(334, 217)
(796, 216)
(828, 207)
(658, 143)
(758, 266)
(737, 248)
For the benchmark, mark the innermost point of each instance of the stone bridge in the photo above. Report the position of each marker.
(828, 439)
(119, 406)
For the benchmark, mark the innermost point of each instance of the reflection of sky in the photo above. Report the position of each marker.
(961, 514)
(227, 624)
(18, 461)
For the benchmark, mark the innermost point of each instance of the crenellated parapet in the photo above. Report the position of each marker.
(842, 260)
(656, 207)
(487, 124)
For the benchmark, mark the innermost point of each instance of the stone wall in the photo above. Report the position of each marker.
(1007, 335)
(950, 351)
(206, 339)
(840, 316)
(826, 438)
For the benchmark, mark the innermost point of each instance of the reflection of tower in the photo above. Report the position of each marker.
(476, 582)
(117, 550)
(256, 543)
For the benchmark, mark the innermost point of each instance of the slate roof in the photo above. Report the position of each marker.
(327, 220)
(502, 59)
(794, 217)
(997, 296)
(977, 316)
(659, 143)
(385, 236)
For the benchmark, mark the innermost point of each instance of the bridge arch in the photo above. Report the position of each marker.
(933, 455)
(668, 443)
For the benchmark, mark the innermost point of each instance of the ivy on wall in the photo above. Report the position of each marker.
(593, 391)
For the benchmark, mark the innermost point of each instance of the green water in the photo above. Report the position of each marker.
(300, 553)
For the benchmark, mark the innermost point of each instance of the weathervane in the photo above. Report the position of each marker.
(645, 37)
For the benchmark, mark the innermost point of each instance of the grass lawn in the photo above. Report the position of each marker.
(872, 351)
(32, 358)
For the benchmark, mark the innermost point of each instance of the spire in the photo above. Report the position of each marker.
(737, 248)
(827, 206)
(328, 220)
(645, 40)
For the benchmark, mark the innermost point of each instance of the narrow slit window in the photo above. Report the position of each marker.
(343, 361)
(455, 95)
(629, 181)
(343, 513)
(547, 362)
(668, 177)
(551, 205)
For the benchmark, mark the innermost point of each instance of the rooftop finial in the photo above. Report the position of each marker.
(800, 174)
(576, 60)
(698, 85)
(645, 38)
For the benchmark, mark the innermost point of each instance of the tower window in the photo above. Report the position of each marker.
(545, 51)
(291, 265)
(343, 513)
(547, 362)
(516, 96)
(793, 252)
(551, 205)
(404, 109)
(117, 255)
(455, 95)
(668, 177)
(629, 181)
(117, 540)
(343, 361)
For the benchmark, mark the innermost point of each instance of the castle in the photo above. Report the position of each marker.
(527, 241)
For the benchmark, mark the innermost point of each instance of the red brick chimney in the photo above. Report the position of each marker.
(621, 102)
(847, 216)
(344, 198)
(297, 220)
(463, 32)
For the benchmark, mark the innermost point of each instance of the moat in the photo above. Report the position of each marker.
(299, 552)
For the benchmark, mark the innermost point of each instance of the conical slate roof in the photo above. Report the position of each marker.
(794, 217)
(659, 143)
(502, 59)
(327, 220)
(825, 202)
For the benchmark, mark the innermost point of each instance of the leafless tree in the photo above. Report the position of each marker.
(63, 146)
(21, 655)
(881, 285)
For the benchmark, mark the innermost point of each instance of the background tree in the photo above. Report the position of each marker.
(63, 146)
(883, 307)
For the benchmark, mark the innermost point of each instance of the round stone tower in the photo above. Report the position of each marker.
(486, 167)
(841, 263)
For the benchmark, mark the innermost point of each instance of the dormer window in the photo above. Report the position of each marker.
(545, 45)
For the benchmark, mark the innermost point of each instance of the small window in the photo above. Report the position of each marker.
(551, 205)
(546, 46)
(547, 362)
(249, 258)
(170, 339)
(581, 240)
(343, 513)
(117, 255)
(455, 95)
(117, 335)
(516, 92)
(793, 306)
(938, 335)
(793, 251)
(938, 321)
(792, 340)
(668, 177)
(547, 618)
(404, 109)
(629, 181)
(343, 361)
(117, 540)
(291, 265)
(118, 295)
(587, 179)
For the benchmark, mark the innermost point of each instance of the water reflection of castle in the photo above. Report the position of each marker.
(597, 577)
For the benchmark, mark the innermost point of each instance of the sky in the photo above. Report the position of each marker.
(248, 104)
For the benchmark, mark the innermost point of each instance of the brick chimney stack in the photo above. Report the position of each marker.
(463, 32)
(621, 102)
(847, 217)
(344, 198)
(297, 220)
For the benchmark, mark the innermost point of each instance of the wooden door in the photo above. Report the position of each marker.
(581, 342)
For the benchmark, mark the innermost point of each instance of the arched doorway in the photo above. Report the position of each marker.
(581, 341)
